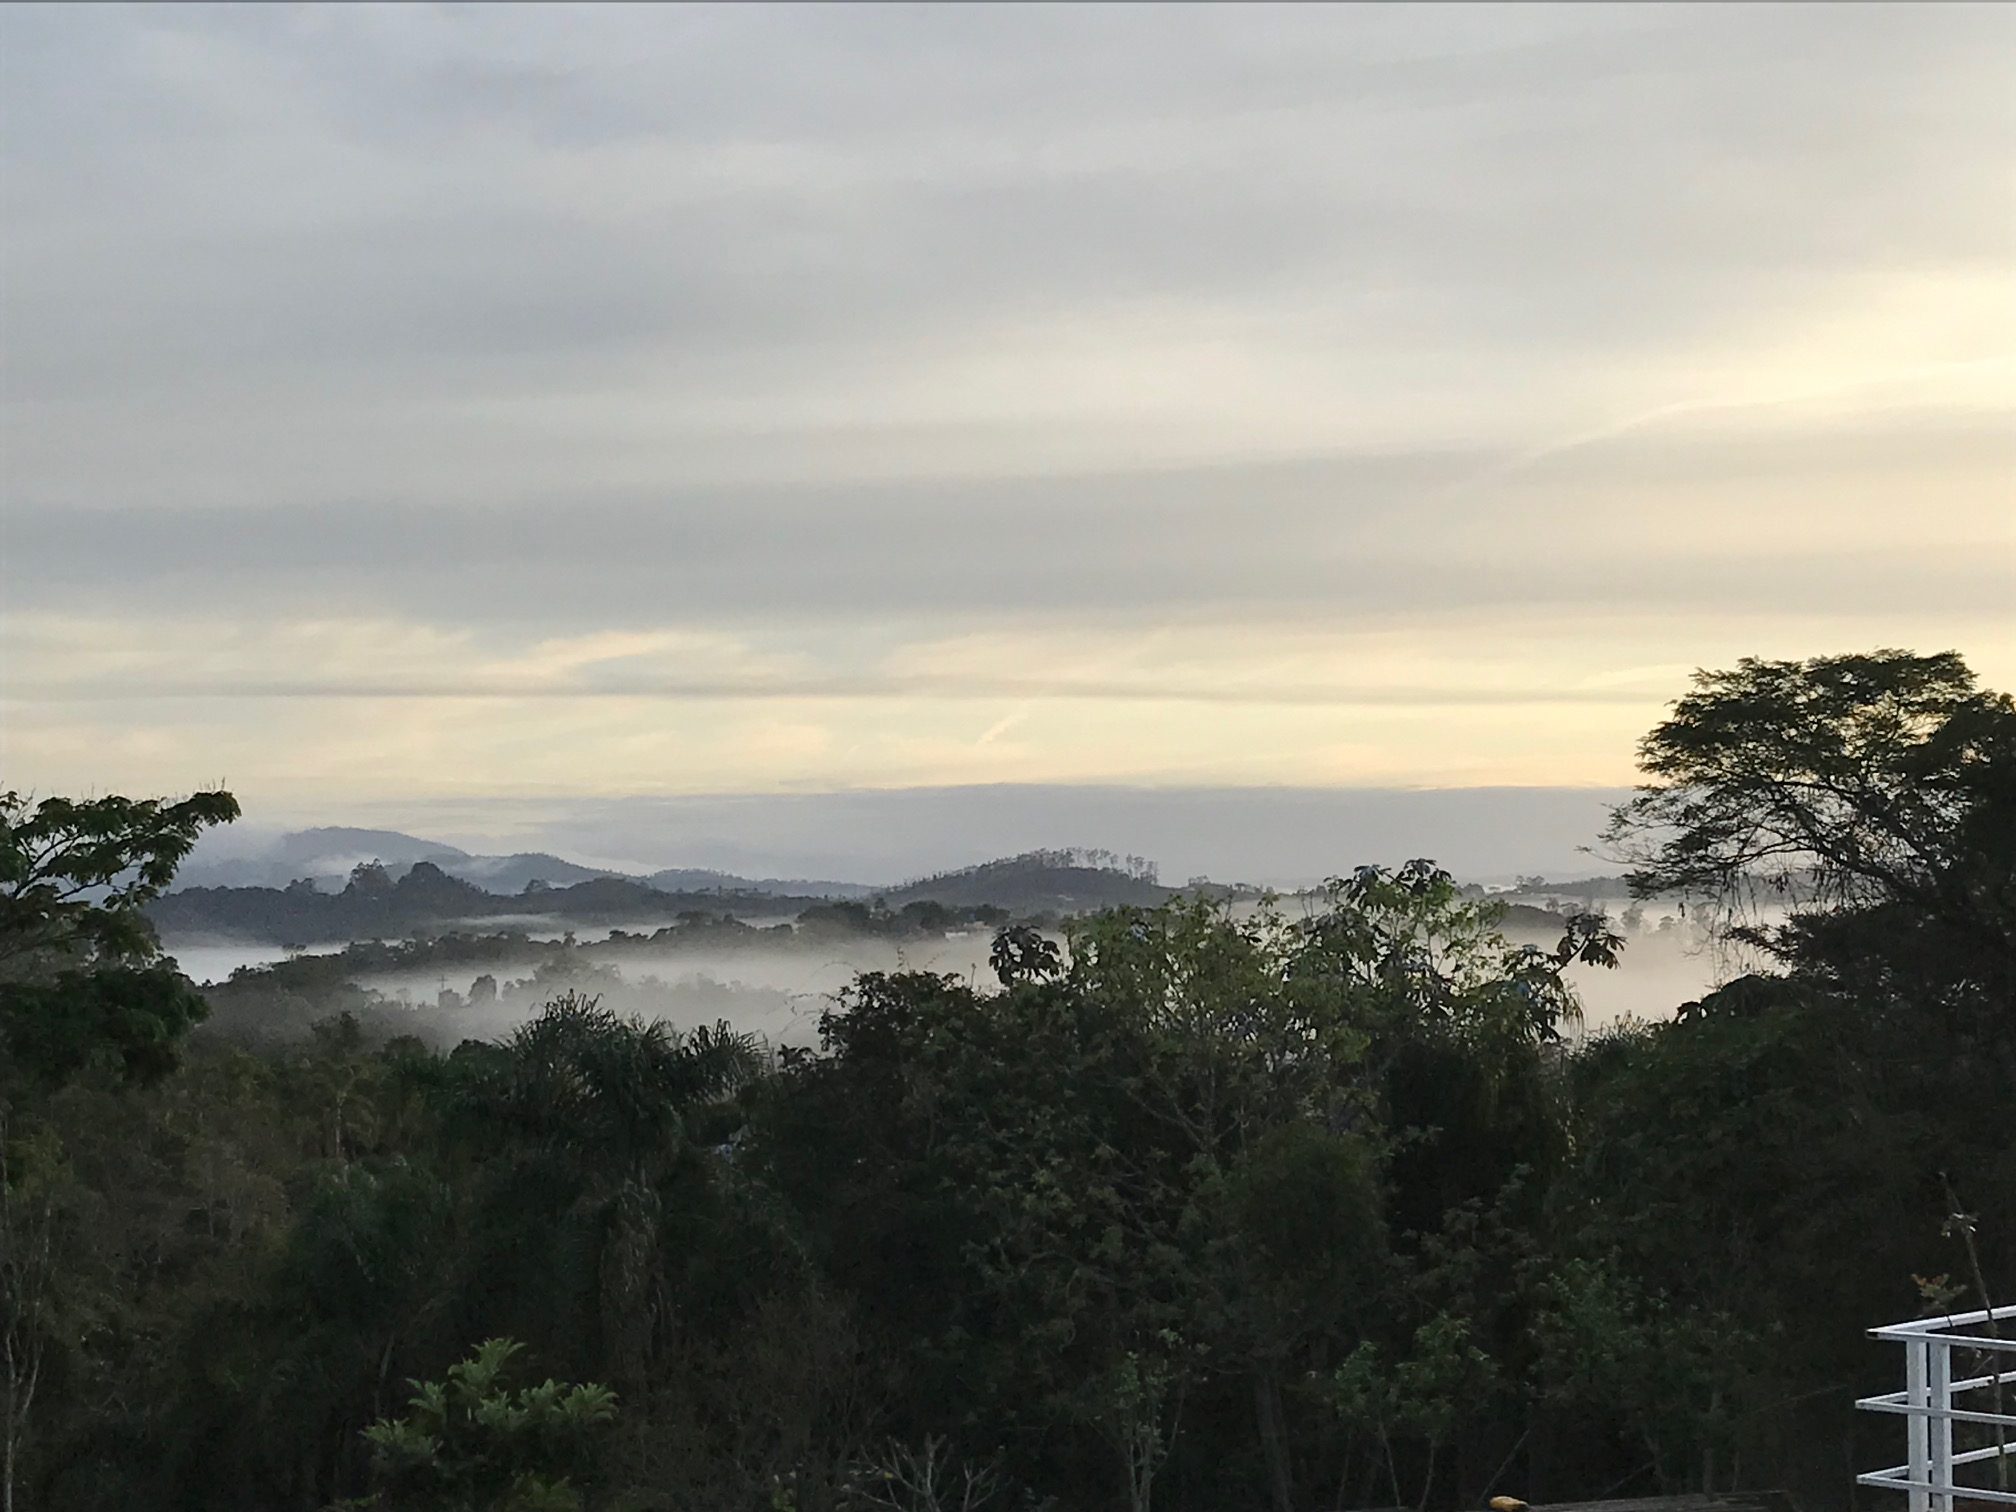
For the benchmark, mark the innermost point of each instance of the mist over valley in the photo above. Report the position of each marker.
(1007, 758)
(436, 943)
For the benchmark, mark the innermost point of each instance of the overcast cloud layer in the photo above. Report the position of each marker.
(554, 406)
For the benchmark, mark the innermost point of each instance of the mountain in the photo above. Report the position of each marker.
(325, 846)
(327, 856)
(513, 874)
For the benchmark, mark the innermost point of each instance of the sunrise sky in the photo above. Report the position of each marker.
(461, 417)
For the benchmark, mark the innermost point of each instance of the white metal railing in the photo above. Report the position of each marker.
(1932, 1474)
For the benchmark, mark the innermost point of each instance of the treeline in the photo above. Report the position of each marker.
(424, 897)
(1204, 1211)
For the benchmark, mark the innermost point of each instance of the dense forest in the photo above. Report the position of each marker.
(1201, 1209)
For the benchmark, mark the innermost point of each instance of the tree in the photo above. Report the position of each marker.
(75, 875)
(605, 1104)
(471, 1444)
(1885, 778)
(905, 1479)
(80, 989)
(30, 1217)
(81, 983)
(1785, 1129)
(1022, 953)
(1876, 796)
(1430, 958)
(125, 1020)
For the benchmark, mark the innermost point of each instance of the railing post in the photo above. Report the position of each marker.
(1939, 1397)
(1917, 1395)
(1943, 1473)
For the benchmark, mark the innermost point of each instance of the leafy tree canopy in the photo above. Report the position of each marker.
(74, 873)
(1872, 774)
(80, 983)
(469, 1443)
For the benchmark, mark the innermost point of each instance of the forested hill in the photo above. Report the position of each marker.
(1042, 881)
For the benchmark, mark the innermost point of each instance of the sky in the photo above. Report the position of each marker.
(550, 424)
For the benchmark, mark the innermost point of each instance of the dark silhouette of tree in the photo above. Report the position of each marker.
(1878, 778)
(608, 1101)
(1022, 953)
(1876, 795)
(81, 989)
(75, 874)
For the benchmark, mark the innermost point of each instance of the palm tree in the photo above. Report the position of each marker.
(606, 1100)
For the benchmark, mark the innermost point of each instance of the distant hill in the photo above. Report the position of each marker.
(1586, 889)
(376, 905)
(331, 845)
(1036, 882)
(513, 874)
(327, 856)
(379, 901)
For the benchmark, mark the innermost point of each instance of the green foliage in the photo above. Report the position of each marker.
(468, 1443)
(79, 987)
(127, 1021)
(1022, 953)
(74, 874)
(79, 994)
(1669, 1373)
(1865, 767)
(585, 1080)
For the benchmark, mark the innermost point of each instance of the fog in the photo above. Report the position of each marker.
(777, 994)
(777, 991)
(208, 960)
(1657, 974)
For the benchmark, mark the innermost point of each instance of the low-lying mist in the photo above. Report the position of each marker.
(776, 993)
(765, 978)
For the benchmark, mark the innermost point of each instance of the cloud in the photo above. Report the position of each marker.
(1804, 516)
(767, 397)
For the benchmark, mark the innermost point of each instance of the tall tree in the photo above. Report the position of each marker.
(606, 1104)
(82, 983)
(1884, 778)
(81, 988)
(74, 875)
(1875, 796)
